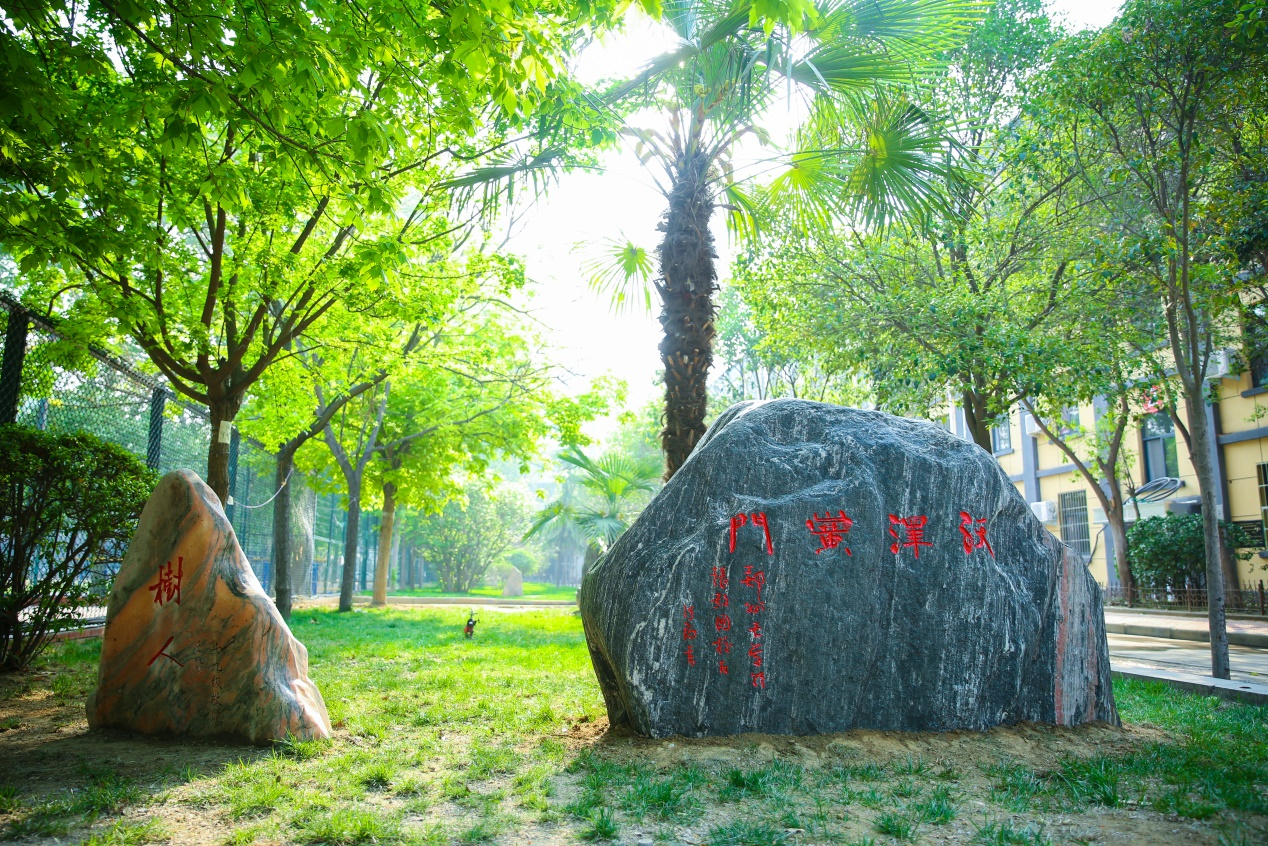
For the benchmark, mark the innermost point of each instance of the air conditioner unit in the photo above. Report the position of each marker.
(1032, 426)
(1221, 364)
(1045, 512)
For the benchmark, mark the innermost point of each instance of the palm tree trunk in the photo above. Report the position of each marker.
(686, 288)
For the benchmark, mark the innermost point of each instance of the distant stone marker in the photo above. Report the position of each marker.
(813, 568)
(514, 583)
(193, 645)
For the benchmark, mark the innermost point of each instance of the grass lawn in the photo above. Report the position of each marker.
(502, 740)
(532, 590)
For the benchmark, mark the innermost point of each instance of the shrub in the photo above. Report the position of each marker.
(68, 504)
(1169, 552)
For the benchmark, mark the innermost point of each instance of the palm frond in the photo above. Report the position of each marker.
(905, 164)
(623, 270)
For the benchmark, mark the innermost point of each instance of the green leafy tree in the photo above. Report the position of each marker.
(475, 389)
(1169, 554)
(951, 304)
(758, 367)
(298, 397)
(733, 64)
(472, 532)
(1100, 366)
(68, 507)
(489, 397)
(210, 179)
(1151, 105)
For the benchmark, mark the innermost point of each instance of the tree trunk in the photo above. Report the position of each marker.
(686, 291)
(385, 545)
(1229, 560)
(351, 536)
(975, 418)
(1201, 457)
(222, 411)
(282, 530)
(1118, 530)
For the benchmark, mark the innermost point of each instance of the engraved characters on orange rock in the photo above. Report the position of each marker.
(168, 586)
(163, 652)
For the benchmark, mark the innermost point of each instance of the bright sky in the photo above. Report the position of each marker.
(622, 201)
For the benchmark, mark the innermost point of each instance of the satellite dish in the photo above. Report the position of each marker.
(1158, 489)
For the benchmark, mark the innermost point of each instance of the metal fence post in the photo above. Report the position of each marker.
(154, 443)
(11, 366)
(233, 473)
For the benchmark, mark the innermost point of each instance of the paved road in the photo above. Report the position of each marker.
(1186, 656)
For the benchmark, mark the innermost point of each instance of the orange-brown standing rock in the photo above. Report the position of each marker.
(193, 645)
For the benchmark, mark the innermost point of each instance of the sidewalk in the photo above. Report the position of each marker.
(1241, 632)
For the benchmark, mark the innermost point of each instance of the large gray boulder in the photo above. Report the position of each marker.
(813, 568)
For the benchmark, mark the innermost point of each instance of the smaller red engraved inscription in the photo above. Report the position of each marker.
(691, 655)
(755, 580)
(720, 600)
(720, 581)
(723, 668)
(755, 653)
(722, 645)
(688, 617)
(722, 623)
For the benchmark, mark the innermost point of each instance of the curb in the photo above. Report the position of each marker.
(1255, 694)
(1246, 616)
(1255, 639)
(468, 600)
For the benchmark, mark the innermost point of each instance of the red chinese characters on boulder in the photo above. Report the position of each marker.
(755, 579)
(163, 653)
(974, 534)
(758, 518)
(830, 530)
(168, 586)
(689, 633)
(912, 535)
(722, 644)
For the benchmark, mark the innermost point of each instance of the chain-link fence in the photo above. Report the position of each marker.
(55, 384)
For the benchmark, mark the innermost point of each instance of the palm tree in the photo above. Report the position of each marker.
(611, 483)
(845, 62)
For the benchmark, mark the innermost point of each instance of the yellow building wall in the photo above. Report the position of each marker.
(1237, 414)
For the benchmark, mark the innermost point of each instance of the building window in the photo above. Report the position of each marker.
(1002, 436)
(1069, 420)
(1255, 336)
(1159, 436)
(1074, 525)
(1263, 501)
